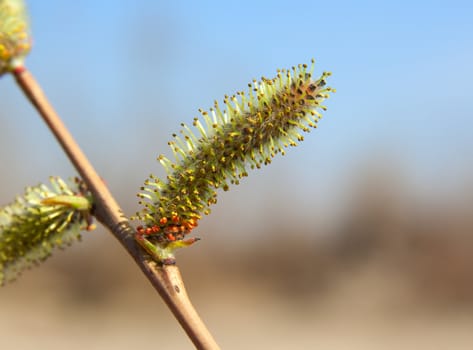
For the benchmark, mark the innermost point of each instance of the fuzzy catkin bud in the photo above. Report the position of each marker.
(43, 218)
(15, 41)
(250, 130)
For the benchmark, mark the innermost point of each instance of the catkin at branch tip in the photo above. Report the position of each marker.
(246, 133)
(15, 39)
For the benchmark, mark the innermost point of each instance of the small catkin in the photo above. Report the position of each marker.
(15, 40)
(250, 130)
(35, 223)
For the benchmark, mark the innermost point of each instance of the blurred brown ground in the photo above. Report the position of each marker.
(392, 273)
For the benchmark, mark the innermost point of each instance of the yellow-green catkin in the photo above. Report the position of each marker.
(246, 133)
(43, 218)
(15, 39)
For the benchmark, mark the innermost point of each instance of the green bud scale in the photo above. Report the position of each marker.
(43, 218)
(15, 41)
(247, 133)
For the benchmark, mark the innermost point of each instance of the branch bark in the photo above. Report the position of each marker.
(166, 279)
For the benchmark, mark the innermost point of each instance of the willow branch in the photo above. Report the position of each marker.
(166, 279)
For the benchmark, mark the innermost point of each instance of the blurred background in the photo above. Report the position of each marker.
(360, 238)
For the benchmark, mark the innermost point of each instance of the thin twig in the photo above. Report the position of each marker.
(165, 279)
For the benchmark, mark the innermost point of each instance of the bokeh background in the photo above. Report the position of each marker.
(360, 238)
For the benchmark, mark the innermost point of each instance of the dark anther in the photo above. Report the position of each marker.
(312, 87)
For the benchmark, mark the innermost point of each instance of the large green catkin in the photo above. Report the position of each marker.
(38, 221)
(250, 130)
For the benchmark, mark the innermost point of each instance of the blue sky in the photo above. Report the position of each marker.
(125, 74)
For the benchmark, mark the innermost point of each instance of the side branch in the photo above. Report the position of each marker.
(166, 280)
(108, 211)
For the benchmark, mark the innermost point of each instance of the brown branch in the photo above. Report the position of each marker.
(165, 279)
